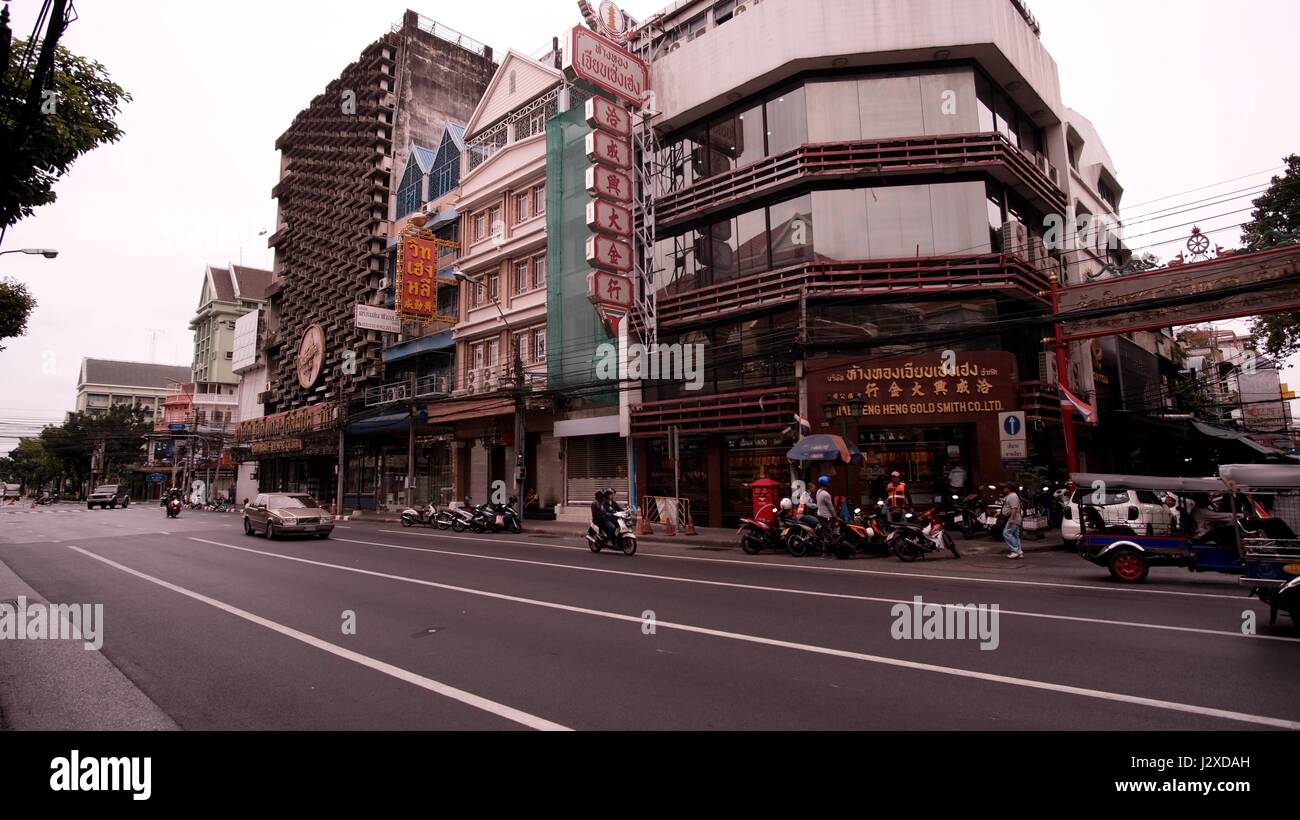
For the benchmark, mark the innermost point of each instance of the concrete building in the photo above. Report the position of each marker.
(339, 161)
(228, 293)
(839, 183)
(103, 383)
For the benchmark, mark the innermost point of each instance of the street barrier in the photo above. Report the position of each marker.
(674, 514)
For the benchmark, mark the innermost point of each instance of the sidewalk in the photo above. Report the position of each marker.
(720, 539)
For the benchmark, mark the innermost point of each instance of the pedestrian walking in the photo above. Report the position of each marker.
(1013, 512)
(826, 515)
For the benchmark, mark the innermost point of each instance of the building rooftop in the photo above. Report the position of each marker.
(131, 374)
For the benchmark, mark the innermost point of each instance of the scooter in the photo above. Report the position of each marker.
(174, 508)
(868, 535)
(624, 535)
(460, 519)
(800, 537)
(497, 518)
(918, 536)
(424, 517)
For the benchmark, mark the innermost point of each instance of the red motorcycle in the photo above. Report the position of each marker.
(759, 533)
(173, 508)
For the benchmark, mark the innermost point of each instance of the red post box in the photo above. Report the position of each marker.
(764, 492)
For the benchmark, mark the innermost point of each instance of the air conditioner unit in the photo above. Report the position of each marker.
(430, 209)
(1015, 239)
(742, 8)
(674, 46)
(384, 283)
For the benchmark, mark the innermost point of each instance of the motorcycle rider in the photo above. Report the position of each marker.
(601, 517)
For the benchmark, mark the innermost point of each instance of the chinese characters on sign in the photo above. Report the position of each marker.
(606, 183)
(609, 150)
(608, 218)
(609, 288)
(608, 117)
(609, 254)
(921, 388)
(417, 274)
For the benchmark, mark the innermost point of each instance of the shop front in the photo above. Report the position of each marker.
(921, 416)
(296, 451)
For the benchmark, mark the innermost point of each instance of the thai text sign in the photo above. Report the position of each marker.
(311, 419)
(924, 388)
(605, 65)
(284, 445)
(417, 273)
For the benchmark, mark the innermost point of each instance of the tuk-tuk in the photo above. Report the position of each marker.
(1114, 535)
(1271, 551)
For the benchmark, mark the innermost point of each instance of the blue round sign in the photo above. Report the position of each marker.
(1012, 425)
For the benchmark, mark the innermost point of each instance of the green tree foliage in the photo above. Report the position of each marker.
(31, 465)
(16, 304)
(72, 444)
(78, 119)
(1276, 221)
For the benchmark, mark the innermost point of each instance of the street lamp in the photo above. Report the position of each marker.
(48, 253)
(520, 432)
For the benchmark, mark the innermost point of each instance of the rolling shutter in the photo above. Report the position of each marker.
(595, 463)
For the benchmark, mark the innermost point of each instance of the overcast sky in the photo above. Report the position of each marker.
(1185, 94)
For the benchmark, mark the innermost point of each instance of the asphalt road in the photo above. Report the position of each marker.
(218, 630)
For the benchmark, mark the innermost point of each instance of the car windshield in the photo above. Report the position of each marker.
(106, 488)
(291, 502)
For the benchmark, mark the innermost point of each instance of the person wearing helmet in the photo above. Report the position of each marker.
(825, 514)
(600, 518)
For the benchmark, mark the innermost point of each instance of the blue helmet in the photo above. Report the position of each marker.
(824, 481)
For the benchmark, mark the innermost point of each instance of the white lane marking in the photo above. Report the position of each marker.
(468, 698)
(1028, 683)
(805, 568)
(817, 593)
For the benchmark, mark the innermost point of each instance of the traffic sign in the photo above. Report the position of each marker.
(1011, 431)
(156, 478)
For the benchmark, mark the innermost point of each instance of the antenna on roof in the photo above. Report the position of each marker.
(153, 344)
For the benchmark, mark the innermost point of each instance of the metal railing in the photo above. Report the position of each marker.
(445, 33)
(423, 387)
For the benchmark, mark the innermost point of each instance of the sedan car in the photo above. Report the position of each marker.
(274, 514)
(1144, 510)
(108, 496)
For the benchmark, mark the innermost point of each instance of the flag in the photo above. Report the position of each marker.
(805, 426)
(1071, 401)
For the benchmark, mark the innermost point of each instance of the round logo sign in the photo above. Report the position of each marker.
(611, 21)
(311, 357)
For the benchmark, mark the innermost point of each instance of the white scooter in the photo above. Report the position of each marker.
(624, 536)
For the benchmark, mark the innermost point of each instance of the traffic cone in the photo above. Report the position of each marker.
(690, 528)
(668, 527)
(643, 527)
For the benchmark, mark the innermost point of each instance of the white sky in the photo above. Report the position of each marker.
(1185, 93)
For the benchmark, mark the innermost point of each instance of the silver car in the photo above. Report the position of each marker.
(274, 514)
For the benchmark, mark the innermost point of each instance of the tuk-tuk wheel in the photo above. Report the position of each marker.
(1128, 566)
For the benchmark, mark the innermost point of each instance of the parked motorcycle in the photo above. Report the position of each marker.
(757, 534)
(460, 519)
(800, 537)
(497, 518)
(624, 536)
(426, 516)
(863, 534)
(918, 536)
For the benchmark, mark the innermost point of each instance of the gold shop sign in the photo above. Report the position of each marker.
(311, 419)
(284, 445)
(919, 388)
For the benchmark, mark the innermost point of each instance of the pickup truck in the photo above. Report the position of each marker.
(108, 496)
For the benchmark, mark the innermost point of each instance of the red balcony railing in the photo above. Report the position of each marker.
(990, 153)
(818, 281)
(752, 410)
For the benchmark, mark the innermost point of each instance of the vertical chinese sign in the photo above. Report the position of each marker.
(610, 254)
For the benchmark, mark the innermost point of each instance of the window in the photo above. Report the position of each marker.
(787, 121)
(723, 12)
(539, 200)
(494, 220)
(539, 344)
(1074, 156)
(522, 202)
(539, 271)
(480, 226)
(493, 286)
(1108, 196)
(229, 355)
(521, 276)
(475, 295)
(697, 27)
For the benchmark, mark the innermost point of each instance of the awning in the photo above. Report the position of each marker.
(1224, 433)
(453, 411)
(387, 423)
(446, 216)
(428, 344)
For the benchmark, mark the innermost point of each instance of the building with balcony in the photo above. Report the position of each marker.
(854, 217)
(228, 293)
(340, 164)
(102, 383)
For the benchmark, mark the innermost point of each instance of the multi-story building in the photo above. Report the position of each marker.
(338, 164)
(102, 383)
(854, 212)
(228, 293)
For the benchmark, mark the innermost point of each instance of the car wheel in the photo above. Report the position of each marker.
(322, 536)
(248, 527)
(270, 531)
(90, 506)
(112, 505)
(1127, 566)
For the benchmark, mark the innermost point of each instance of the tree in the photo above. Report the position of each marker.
(32, 464)
(78, 118)
(16, 304)
(121, 429)
(1276, 221)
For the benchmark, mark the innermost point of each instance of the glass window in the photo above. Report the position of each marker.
(891, 107)
(521, 207)
(841, 226)
(792, 231)
(1007, 121)
(539, 344)
(539, 200)
(984, 104)
(834, 111)
(787, 121)
(493, 286)
(720, 251)
(899, 222)
(521, 276)
(948, 102)
(751, 242)
(736, 140)
(539, 271)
